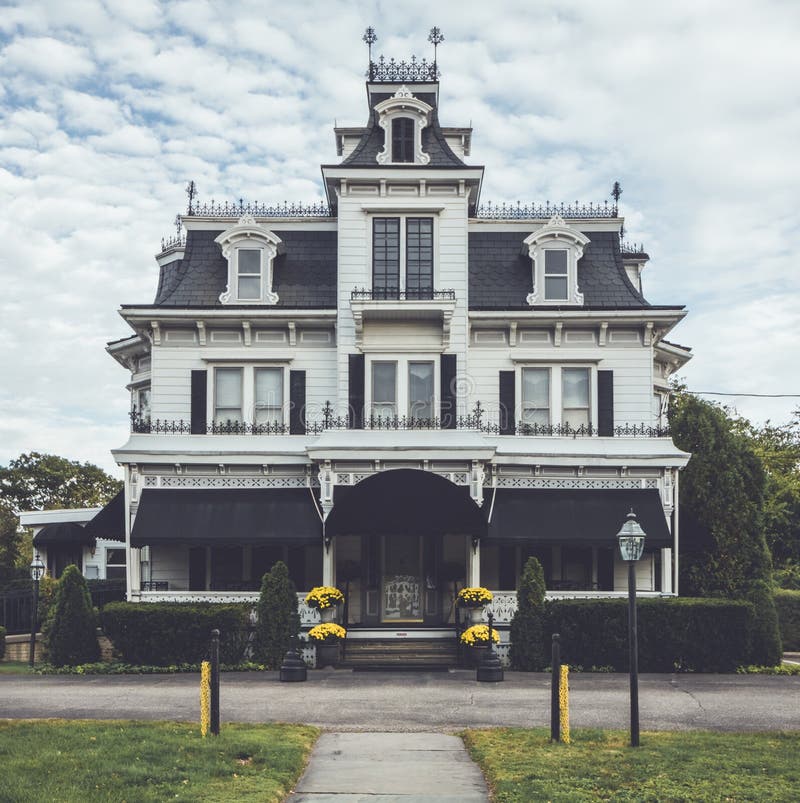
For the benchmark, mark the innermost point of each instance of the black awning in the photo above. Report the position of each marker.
(404, 502)
(109, 523)
(63, 533)
(226, 517)
(575, 516)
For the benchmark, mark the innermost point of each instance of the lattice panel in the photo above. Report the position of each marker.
(575, 482)
(182, 481)
(504, 654)
(308, 616)
(503, 607)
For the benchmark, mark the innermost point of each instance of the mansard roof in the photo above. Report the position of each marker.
(304, 272)
(433, 139)
(500, 273)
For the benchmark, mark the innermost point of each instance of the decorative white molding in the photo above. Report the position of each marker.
(477, 477)
(156, 327)
(402, 105)
(555, 234)
(575, 482)
(247, 233)
(228, 481)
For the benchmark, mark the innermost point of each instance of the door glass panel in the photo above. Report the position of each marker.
(402, 578)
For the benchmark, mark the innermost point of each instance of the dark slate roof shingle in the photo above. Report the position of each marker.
(304, 274)
(500, 272)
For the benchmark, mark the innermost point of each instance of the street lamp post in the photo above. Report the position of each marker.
(37, 571)
(631, 545)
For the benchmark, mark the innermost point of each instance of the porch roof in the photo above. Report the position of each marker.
(62, 533)
(574, 515)
(226, 517)
(109, 523)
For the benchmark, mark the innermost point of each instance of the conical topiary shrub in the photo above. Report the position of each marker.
(70, 631)
(278, 620)
(527, 626)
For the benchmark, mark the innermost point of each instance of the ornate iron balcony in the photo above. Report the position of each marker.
(392, 71)
(236, 210)
(389, 294)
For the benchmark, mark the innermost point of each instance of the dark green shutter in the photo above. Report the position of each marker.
(199, 412)
(297, 402)
(605, 403)
(447, 389)
(355, 384)
(507, 402)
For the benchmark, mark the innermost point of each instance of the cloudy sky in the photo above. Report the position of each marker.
(108, 107)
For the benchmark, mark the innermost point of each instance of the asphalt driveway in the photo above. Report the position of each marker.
(425, 701)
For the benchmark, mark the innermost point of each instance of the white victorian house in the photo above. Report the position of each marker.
(401, 392)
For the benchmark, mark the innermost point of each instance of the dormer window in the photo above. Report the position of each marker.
(250, 249)
(402, 118)
(554, 251)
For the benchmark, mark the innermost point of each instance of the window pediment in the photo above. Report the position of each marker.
(554, 251)
(250, 249)
(392, 112)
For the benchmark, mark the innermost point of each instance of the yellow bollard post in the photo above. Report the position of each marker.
(205, 697)
(563, 703)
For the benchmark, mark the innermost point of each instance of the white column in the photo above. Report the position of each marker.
(475, 565)
(675, 528)
(666, 570)
(329, 563)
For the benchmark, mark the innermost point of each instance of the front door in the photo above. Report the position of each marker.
(403, 589)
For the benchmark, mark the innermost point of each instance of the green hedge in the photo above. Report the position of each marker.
(788, 605)
(2, 643)
(683, 634)
(163, 634)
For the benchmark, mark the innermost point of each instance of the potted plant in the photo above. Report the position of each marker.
(474, 598)
(327, 638)
(476, 640)
(326, 600)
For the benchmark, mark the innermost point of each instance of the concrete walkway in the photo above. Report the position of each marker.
(383, 767)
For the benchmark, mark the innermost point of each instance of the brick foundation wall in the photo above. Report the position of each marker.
(18, 647)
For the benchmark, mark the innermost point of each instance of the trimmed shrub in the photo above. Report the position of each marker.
(70, 632)
(684, 634)
(528, 650)
(278, 620)
(169, 633)
(2, 643)
(787, 604)
(765, 645)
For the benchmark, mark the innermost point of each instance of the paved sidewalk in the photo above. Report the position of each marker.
(383, 767)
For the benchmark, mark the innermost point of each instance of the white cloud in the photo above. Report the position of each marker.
(109, 108)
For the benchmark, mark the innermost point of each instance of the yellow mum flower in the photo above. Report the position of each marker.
(327, 631)
(478, 635)
(323, 597)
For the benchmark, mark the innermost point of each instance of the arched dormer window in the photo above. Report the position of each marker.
(555, 250)
(250, 249)
(402, 118)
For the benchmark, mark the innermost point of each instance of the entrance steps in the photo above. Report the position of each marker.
(407, 654)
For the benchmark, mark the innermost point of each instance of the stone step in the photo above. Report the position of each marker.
(397, 652)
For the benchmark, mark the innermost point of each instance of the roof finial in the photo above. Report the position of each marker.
(436, 37)
(191, 191)
(370, 37)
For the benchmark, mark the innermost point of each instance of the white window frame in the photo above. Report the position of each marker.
(248, 235)
(556, 390)
(123, 566)
(402, 389)
(403, 104)
(556, 235)
(402, 217)
(248, 389)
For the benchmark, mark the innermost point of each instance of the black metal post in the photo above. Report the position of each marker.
(34, 617)
(215, 682)
(555, 689)
(490, 669)
(633, 660)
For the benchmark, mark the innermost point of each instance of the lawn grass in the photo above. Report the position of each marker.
(129, 762)
(522, 765)
(14, 668)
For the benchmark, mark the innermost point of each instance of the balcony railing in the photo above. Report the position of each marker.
(478, 421)
(395, 294)
(534, 211)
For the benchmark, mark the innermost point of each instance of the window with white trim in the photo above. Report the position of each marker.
(402, 256)
(115, 564)
(402, 118)
(557, 395)
(141, 402)
(249, 394)
(250, 250)
(555, 250)
(404, 387)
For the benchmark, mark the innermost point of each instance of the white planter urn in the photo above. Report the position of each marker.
(328, 614)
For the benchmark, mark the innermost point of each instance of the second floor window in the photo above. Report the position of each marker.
(393, 381)
(556, 395)
(248, 273)
(575, 401)
(249, 395)
(268, 396)
(555, 275)
(402, 254)
(228, 395)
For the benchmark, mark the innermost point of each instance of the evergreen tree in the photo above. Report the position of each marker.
(278, 620)
(70, 631)
(527, 627)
